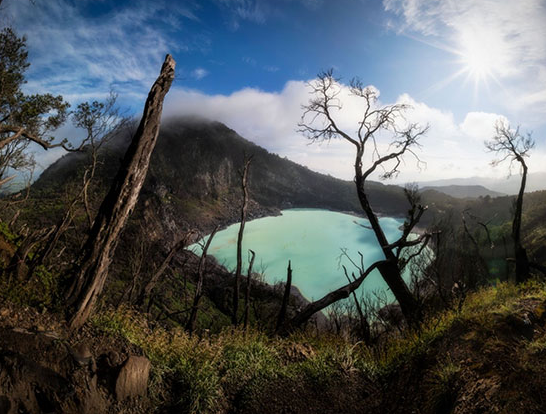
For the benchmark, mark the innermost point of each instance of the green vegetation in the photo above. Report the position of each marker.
(214, 369)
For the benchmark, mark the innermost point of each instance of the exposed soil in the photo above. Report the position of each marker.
(45, 369)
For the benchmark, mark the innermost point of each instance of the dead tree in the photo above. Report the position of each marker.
(17, 266)
(248, 286)
(285, 299)
(147, 289)
(342, 293)
(92, 268)
(319, 124)
(364, 324)
(190, 325)
(101, 122)
(511, 145)
(238, 269)
(480, 265)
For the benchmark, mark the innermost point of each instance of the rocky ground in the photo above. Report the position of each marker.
(46, 369)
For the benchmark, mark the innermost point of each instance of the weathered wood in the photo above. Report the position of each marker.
(190, 325)
(92, 268)
(132, 380)
(285, 298)
(322, 107)
(238, 269)
(332, 297)
(522, 261)
(17, 266)
(248, 286)
(390, 270)
(147, 290)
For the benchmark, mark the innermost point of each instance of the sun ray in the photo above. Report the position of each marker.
(479, 54)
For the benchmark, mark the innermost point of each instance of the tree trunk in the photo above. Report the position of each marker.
(248, 286)
(238, 269)
(190, 326)
(17, 266)
(364, 324)
(389, 269)
(332, 297)
(160, 270)
(118, 204)
(522, 262)
(285, 298)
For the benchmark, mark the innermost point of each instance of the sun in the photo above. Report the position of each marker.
(477, 62)
(480, 55)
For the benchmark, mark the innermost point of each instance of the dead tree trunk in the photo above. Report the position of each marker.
(364, 324)
(481, 264)
(342, 293)
(522, 262)
(238, 269)
(96, 255)
(511, 145)
(285, 298)
(248, 286)
(147, 290)
(17, 266)
(190, 326)
(389, 270)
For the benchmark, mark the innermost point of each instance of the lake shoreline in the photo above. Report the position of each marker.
(314, 239)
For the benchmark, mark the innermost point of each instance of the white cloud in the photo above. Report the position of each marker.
(480, 125)
(450, 149)
(199, 73)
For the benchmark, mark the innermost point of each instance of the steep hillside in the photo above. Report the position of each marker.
(194, 180)
(486, 357)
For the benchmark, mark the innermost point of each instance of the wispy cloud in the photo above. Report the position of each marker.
(254, 63)
(78, 55)
(258, 11)
(199, 73)
(510, 36)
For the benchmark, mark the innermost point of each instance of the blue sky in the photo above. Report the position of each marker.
(460, 64)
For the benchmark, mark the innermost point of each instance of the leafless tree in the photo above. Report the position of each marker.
(248, 287)
(239, 267)
(319, 124)
(152, 282)
(91, 270)
(101, 122)
(514, 147)
(285, 298)
(364, 325)
(190, 325)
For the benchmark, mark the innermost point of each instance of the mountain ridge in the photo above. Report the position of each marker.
(536, 181)
(464, 191)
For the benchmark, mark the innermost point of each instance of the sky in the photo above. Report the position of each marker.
(460, 64)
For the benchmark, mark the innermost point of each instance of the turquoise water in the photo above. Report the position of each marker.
(312, 239)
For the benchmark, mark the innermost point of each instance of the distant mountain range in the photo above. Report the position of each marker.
(509, 186)
(464, 191)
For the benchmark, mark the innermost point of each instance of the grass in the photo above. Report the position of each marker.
(442, 386)
(210, 371)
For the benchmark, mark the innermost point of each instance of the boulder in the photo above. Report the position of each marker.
(132, 380)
